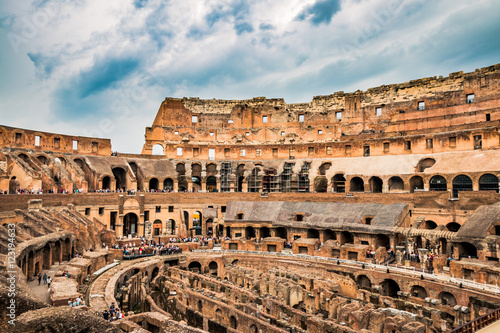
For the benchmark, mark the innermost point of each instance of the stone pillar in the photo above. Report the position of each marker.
(385, 188)
(175, 185)
(119, 226)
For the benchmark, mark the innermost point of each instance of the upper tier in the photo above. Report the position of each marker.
(462, 103)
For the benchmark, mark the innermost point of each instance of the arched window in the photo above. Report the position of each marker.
(488, 182)
(438, 183)
(157, 149)
(461, 183)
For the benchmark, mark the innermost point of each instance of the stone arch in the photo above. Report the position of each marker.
(253, 329)
(382, 240)
(67, 249)
(168, 184)
(60, 160)
(418, 291)
(488, 182)
(281, 232)
(46, 256)
(196, 176)
(158, 149)
(14, 185)
(153, 184)
(389, 287)
(233, 322)
(180, 168)
(31, 265)
(249, 232)
(447, 298)
(396, 184)
(346, 237)
(45, 161)
(255, 180)
(130, 221)
(324, 168)
(171, 225)
(265, 232)
(56, 252)
(212, 184)
(376, 184)
(338, 183)
(416, 183)
(438, 183)
(364, 282)
(155, 272)
(461, 183)
(120, 177)
(425, 163)
(329, 234)
(357, 185)
(194, 266)
(213, 268)
(466, 249)
(197, 222)
(240, 177)
(138, 177)
(106, 183)
(320, 184)
(157, 227)
(430, 225)
(313, 233)
(200, 306)
(24, 157)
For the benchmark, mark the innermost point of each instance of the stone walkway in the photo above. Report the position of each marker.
(42, 291)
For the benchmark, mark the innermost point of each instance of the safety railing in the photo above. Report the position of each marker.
(478, 323)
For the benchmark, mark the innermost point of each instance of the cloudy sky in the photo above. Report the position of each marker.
(102, 67)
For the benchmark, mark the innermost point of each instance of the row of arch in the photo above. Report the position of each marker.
(487, 182)
(390, 288)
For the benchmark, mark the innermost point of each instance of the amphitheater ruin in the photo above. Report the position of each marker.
(371, 211)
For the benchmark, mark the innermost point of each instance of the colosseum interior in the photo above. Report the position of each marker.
(371, 211)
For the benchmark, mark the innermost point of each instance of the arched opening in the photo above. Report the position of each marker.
(253, 329)
(265, 232)
(67, 249)
(430, 225)
(197, 221)
(43, 160)
(171, 226)
(255, 180)
(168, 184)
(461, 183)
(130, 224)
(235, 262)
(467, 250)
(320, 184)
(396, 184)
(418, 291)
(364, 282)
(212, 184)
(488, 182)
(56, 252)
(120, 177)
(346, 238)
(329, 234)
(324, 168)
(382, 240)
(281, 233)
(425, 163)
(416, 183)
(447, 298)
(443, 245)
(155, 272)
(153, 184)
(157, 226)
(249, 232)
(453, 226)
(339, 183)
(194, 267)
(158, 149)
(212, 268)
(46, 257)
(209, 227)
(181, 177)
(233, 322)
(376, 185)
(240, 177)
(196, 177)
(14, 185)
(200, 306)
(357, 185)
(106, 183)
(31, 265)
(312, 233)
(438, 183)
(389, 287)
(138, 177)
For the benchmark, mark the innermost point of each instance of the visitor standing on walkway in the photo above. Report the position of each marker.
(49, 280)
(39, 278)
(45, 278)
